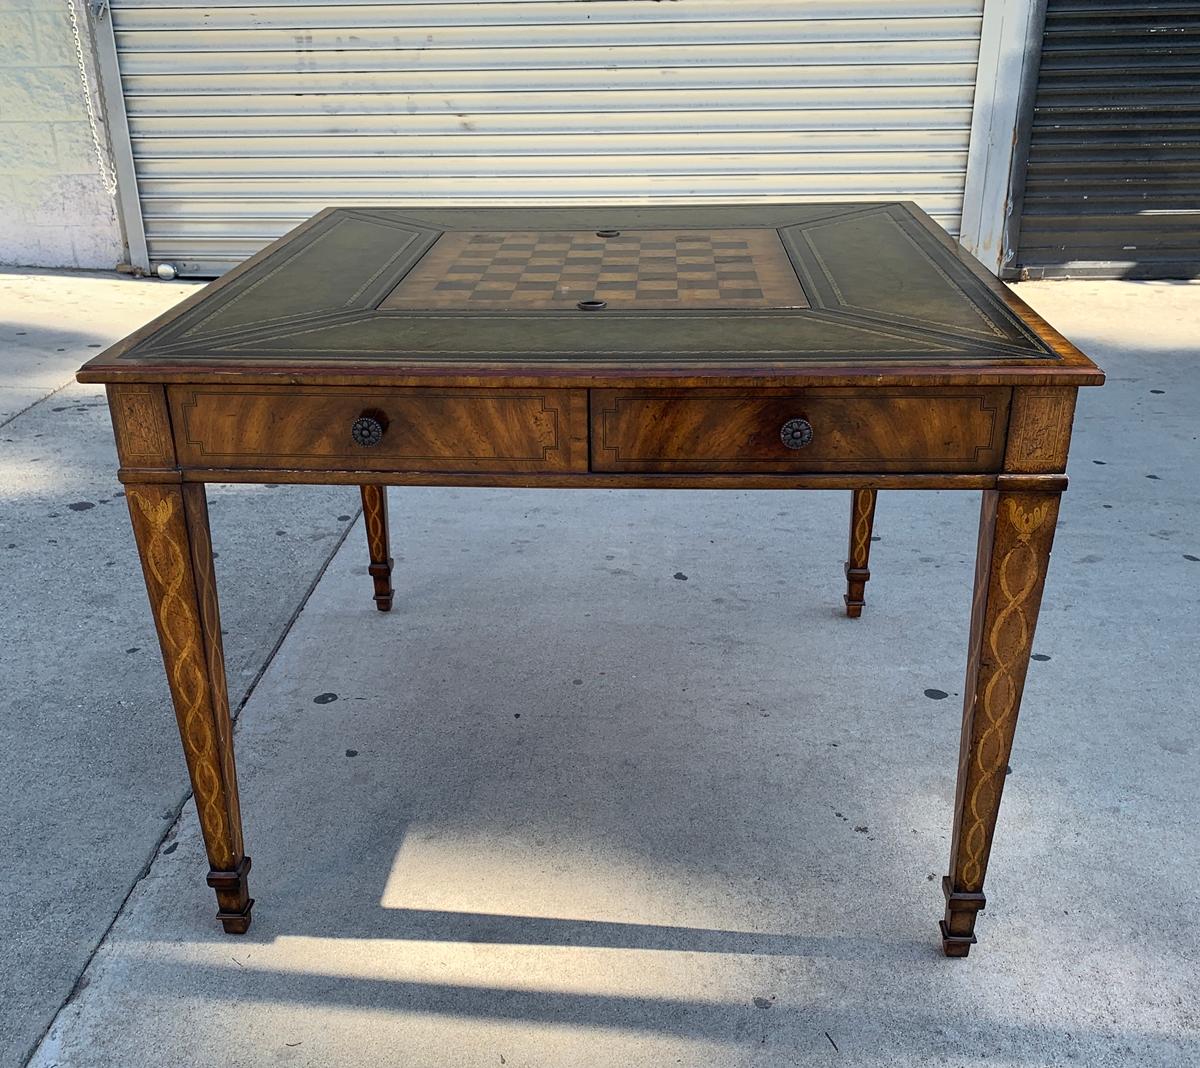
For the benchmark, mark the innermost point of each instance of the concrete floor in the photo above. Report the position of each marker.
(571, 807)
(90, 761)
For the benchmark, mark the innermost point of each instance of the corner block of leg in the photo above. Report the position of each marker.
(233, 897)
(381, 574)
(958, 928)
(856, 580)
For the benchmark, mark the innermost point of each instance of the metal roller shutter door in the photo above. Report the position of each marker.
(244, 120)
(1112, 187)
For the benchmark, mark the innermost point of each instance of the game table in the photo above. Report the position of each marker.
(765, 346)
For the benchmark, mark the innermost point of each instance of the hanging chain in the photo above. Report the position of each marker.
(107, 174)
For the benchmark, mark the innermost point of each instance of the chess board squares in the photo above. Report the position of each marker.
(635, 269)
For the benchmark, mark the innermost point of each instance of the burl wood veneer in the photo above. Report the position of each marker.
(423, 429)
(864, 430)
(782, 346)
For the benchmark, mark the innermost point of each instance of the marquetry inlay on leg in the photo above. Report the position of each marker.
(375, 519)
(1015, 534)
(862, 522)
(170, 523)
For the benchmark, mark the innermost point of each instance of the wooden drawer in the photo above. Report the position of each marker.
(868, 430)
(425, 429)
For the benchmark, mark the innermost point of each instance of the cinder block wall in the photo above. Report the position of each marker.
(55, 209)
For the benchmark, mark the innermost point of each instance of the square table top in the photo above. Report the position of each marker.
(776, 294)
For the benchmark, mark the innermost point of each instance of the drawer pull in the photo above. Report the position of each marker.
(367, 430)
(796, 433)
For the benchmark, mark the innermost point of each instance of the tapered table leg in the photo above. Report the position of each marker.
(170, 522)
(862, 522)
(1016, 530)
(375, 518)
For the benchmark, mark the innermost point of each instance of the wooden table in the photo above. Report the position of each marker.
(760, 346)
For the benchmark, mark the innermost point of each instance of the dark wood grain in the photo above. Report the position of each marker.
(599, 375)
(853, 430)
(427, 430)
(578, 480)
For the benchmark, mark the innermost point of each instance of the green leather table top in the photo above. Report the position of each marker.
(683, 288)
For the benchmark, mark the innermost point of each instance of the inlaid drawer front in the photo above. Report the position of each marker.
(376, 430)
(868, 430)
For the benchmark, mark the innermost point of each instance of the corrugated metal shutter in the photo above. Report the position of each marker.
(1112, 187)
(246, 119)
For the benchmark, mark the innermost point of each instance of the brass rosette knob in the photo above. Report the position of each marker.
(368, 429)
(796, 433)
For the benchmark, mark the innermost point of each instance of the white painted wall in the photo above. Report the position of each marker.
(55, 207)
